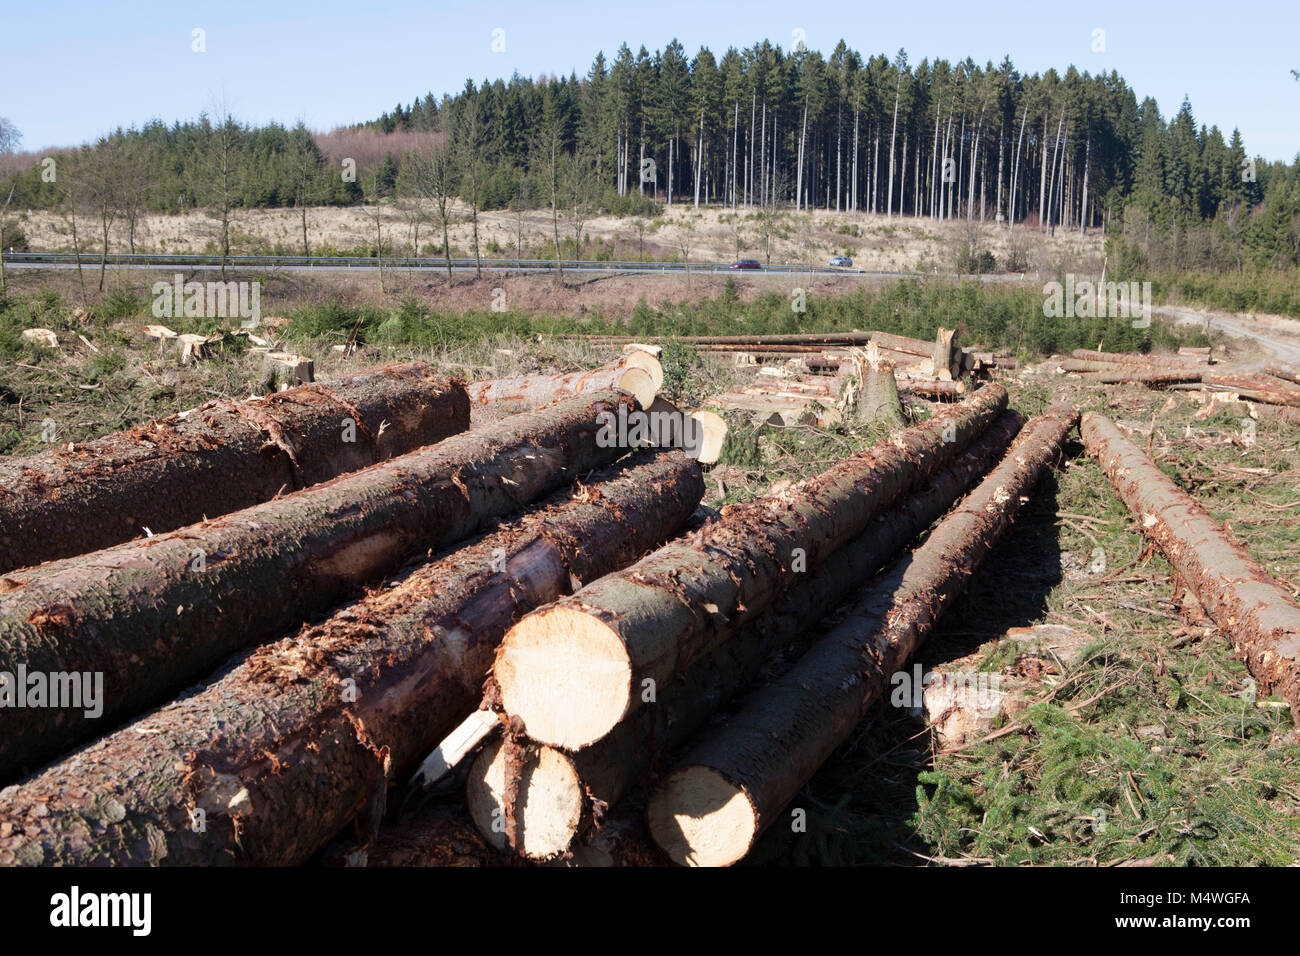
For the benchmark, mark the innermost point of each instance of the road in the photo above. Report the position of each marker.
(1235, 325)
(37, 260)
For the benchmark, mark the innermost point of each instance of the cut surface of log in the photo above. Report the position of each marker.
(1260, 618)
(152, 615)
(573, 670)
(735, 781)
(292, 741)
(217, 458)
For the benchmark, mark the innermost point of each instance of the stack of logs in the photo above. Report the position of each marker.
(1277, 387)
(593, 692)
(293, 730)
(547, 610)
(819, 385)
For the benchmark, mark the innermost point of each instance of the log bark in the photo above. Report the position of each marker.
(1254, 611)
(216, 459)
(152, 615)
(574, 669)
(630, 374)
(596, 778)
(736, 780)
(297, 738)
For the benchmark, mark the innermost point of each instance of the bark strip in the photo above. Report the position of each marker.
(736, 779)
(1253, 611)
(151, 615)
(297, 738)
(217, 458)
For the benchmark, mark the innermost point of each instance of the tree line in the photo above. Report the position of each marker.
(760, 129)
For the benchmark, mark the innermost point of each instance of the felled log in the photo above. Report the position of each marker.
(572, 670)
(736, 780)
(216, 459)
(699, 432)
(931, 387)
(1199, 355)
(1284, 372)
(631, 374)
(1132, 375)
(557, 794)
(150, 616)
(1259, 388)
(1130, 358)
(781, 410)
(1253, 611)
(903, 343)
(283, 749)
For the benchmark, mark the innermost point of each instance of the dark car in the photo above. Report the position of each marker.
(746, 264)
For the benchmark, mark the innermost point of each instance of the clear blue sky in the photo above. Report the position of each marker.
(77, 69)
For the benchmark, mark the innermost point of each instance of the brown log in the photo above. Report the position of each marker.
(150, 616)
(1284, 372)
(632, 374)
(736, 780)
(1253, 611)
(931, 387)
(902, 343)
(1259, 388)
(297, 738)
(216, 459)
(1135, 376)
(558, 793)
(1130, 358)
(573, 670)
(795, 338)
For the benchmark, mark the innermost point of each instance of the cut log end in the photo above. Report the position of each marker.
(713, 428)
(638, 358)
(699, 818)
(639, 383)
(548, 800)
(566, 674)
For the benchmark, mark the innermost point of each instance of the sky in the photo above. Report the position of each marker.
(75, 70)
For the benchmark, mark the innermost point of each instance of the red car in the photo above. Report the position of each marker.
(746, 264)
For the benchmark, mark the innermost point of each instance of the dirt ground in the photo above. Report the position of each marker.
(680, 233)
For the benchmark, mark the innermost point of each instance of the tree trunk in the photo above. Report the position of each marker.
(556, 790)
(736, 780)
(215, 459)
(1257, 614)
(151, 615)
(576, 668)
(878, 399)
(296, 739)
